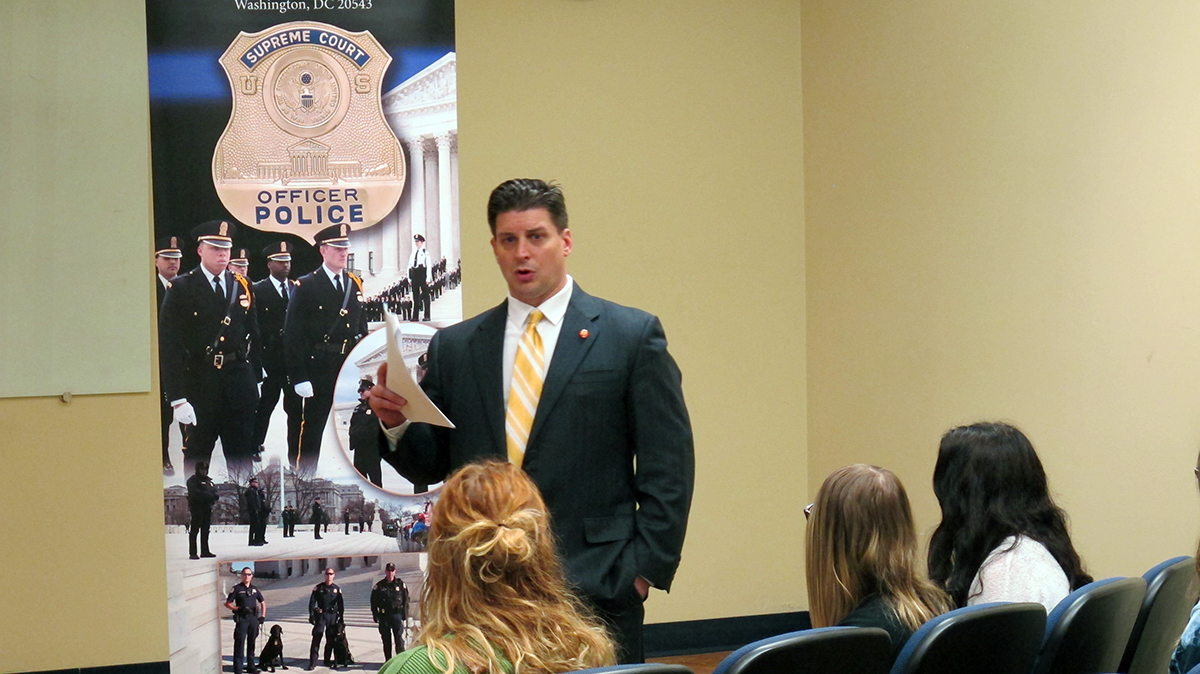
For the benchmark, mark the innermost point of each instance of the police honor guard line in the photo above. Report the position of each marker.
(209, 339)
(325, 319)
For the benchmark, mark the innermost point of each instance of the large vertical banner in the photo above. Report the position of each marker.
(305, 176)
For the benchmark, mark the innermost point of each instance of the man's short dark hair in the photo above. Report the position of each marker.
(523, 194)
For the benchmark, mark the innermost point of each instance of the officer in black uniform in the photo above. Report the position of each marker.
(418, 275)
(208, 334)
(325, 611)
(257, 510)
(325, 319)
(239, 262)
(318, 518)
(364, 436)
(289, 521)
(389, 608)
(249, 612)
(202, 495)
(167, 256)
(271, 296)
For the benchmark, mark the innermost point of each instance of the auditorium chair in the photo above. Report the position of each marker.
(642, 668)
(1087, 632)
(1170, 595)
(1000, 638)
(825, 650)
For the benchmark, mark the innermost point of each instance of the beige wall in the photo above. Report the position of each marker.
(674, 127)
(1002, 222)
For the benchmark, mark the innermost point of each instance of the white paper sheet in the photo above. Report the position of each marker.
(420, 407)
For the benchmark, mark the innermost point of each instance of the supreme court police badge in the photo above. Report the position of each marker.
(307, 145)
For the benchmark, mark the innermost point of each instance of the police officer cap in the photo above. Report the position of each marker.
(280, 252)
(389, 567)
(418, 237)
(365, 384)
(241, 257)
(168, 246)
(218, 233)
(337, 236)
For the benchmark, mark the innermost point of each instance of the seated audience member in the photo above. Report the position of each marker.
(862, 556)
(495, 599)
(1001, 537)
(1187, 654)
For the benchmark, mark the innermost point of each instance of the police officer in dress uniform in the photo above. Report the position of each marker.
(271, 296)
(325, 610)
(239, 262)
(208, 333)
(202, 495)
(418, 275)
(318, 517)
(249, 612)
(257, 510)
(364, 436)
(325, 319)
(167, 257)
(389, 608)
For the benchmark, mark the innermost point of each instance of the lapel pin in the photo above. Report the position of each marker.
(583, 334)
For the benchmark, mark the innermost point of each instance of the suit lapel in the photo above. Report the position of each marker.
(569, 352)
(487, 347)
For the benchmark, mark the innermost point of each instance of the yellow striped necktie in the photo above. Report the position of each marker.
(528, 370)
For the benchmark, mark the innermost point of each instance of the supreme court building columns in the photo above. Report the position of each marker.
(423, 113)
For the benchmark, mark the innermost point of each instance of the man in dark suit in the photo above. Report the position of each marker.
(271, 295)
(208, 334)
(581, 393)
(167, 256)
(325, 319)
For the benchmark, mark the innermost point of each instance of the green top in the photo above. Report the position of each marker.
(417, 661)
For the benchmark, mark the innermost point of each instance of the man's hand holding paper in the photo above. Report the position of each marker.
(400, 398)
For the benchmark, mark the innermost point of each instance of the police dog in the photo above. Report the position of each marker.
(272, 651)
(341, 648)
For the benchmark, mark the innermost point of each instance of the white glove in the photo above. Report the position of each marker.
(184, 413)
(304, 389)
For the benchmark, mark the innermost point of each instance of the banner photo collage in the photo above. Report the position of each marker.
(305, 180)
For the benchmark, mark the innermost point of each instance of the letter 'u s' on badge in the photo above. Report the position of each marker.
(307, 145)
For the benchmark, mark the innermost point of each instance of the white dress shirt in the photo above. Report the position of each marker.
(334, 277)
(279, 285)
(554, 308)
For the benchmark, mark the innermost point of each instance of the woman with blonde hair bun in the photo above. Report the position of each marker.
(495, 599)
(862, 568)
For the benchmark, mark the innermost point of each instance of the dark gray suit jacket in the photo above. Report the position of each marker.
(610, 398)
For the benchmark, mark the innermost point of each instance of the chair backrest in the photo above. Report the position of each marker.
(1170, 595)
(826, 650)
(643, 668)
(1087, 632)
(983, 639)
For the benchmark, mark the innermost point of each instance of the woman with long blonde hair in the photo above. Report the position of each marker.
(862, 565)
(495, 599)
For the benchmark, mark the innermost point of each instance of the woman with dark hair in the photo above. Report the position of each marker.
(496, 599)
(1002, 538)
(861, 552)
